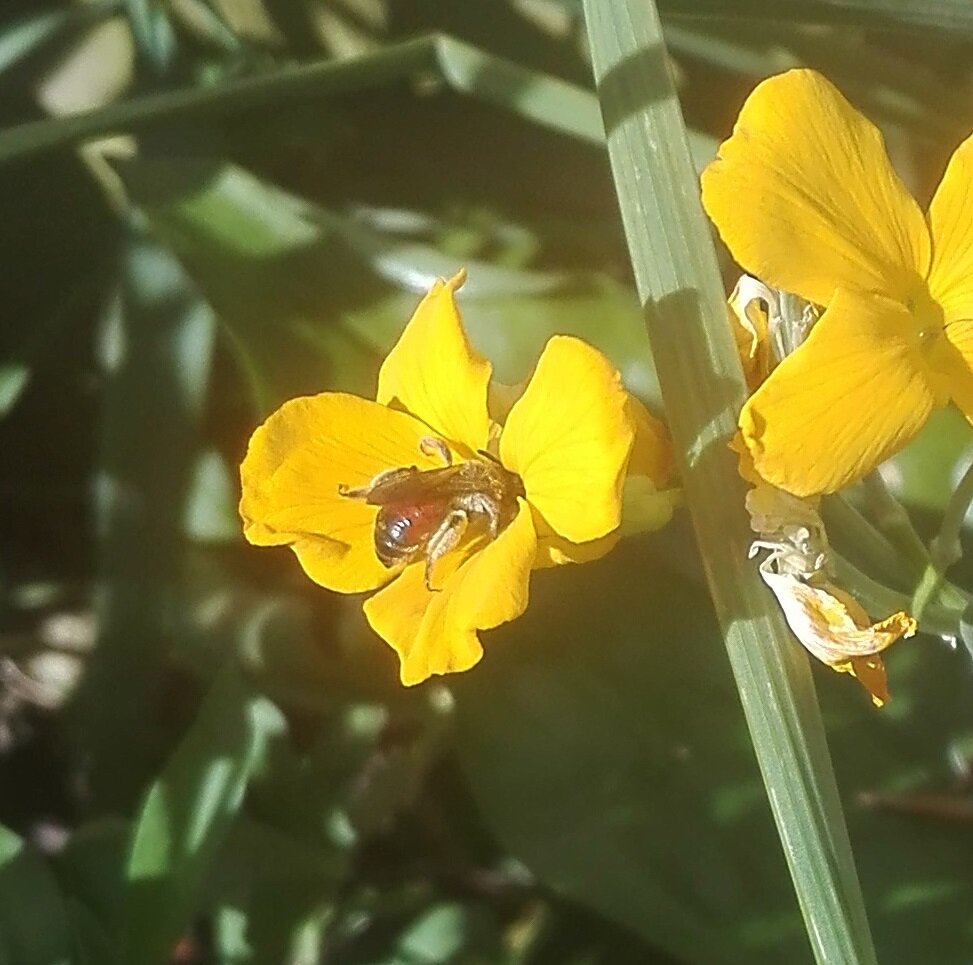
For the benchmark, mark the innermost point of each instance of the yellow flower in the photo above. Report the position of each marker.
(805, 198)
(460, 507)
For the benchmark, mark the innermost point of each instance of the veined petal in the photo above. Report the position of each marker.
(435, 632)
(435, 374)
(951, 275)
(805, 198)
(290, 477)
(953, 356)
(853, 394)
(951, 224)
(569, 437)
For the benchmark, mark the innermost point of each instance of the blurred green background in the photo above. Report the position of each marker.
(205, 758)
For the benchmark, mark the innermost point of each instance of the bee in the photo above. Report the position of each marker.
(429, 511)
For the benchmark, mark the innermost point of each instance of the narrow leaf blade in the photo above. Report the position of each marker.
(681, 291)
(187, 813)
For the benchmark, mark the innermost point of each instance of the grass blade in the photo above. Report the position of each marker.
(944, 14)
(536, 97)
(682, 295)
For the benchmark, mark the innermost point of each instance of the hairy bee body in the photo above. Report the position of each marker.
(427, 512)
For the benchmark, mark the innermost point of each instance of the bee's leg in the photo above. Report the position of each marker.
(446, 537)
(386, 475)
(429, 445)
(492, 511)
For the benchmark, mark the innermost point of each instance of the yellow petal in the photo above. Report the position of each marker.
(644, 510)
(652, 454)
(290, 477)
(435, 374)
(435, 632)
(951, 224)
(554, 550)
(745, 466)
(951, 275)
(853, 394)
(805, 198)
(953, 355)
(569, 437)
(347, 565)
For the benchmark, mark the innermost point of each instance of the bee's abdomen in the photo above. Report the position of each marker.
(402, 531)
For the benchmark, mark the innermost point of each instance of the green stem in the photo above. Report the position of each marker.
(893, 520)
(847, 526)
(945, 548)
(931, 601)
(880, 601)
(682, 295)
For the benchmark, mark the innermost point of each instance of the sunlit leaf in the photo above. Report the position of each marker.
(33, 918)
(188, 812)
(604, 742)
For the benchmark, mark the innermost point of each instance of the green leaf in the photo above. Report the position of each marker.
(188, 812)
(311, 300)
(14, 377)
(211, 514)
(445, 932)
(33, 918)
(90, 870)
(944, 14)
(604, 743)
(25, 37)
(539, 98)
(28, 344)
(614, 762)
(153, 32)
(683, 299)
(155, 347)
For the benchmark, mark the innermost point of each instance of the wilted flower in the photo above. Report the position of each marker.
(828, 621)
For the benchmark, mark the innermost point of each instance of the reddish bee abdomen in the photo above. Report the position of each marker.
(403, 530)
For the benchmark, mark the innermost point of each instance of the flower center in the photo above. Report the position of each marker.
(928, 317)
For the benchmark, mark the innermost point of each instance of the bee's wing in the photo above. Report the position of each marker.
(409, 485)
